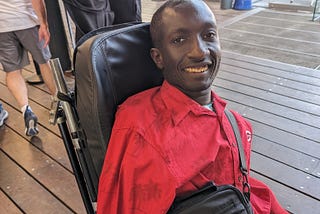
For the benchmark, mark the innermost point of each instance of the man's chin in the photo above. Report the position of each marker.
(203, 88)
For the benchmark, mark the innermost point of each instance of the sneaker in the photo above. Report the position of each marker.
(30, 120)
(3, 115)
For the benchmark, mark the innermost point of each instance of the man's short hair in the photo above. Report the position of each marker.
(156, 22)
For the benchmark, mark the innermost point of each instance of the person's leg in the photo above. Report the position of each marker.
(126, 10)
(13, 58)
(47, 77)
(36, 78)
(17, 86)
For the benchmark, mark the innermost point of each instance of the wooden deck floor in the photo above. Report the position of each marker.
(35, 173)
(281, 101)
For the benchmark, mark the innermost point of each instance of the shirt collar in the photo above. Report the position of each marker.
(180, 104)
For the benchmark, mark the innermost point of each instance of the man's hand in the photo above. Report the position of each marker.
(44, 34)
(40, 9)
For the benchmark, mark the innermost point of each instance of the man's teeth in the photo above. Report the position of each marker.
(197, 70)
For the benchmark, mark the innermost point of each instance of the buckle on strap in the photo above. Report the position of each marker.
(246, 187)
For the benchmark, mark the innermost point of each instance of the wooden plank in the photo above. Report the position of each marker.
(283, 138)
(291, 6)
(296, 73)
(288, 156)
(295, 128)
(26, 192)
(271, 52)
(293, 178)
(276, 31)
(268, 40)
(272, 78)
(287, 125)
(292, 200)
(45, 170)
(7, 206)
(291, 71)
(270, 107)
(267, 95)
(274, 88)
(301, 17)
(305, 26)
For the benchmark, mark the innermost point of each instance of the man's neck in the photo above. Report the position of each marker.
(203, 98)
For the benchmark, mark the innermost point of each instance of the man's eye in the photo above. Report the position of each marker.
(178, 40)
(210, 35)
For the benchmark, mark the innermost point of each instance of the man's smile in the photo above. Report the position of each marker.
(199, 69)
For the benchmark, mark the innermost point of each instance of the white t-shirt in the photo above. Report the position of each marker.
(17, 15)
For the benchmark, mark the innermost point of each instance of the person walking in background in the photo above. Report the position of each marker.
(89, 15)
(23, 29)
(3, 115)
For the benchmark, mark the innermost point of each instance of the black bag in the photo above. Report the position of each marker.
(213, 199)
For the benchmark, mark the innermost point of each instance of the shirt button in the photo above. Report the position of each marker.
(240, 178)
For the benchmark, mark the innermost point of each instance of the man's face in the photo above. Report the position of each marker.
(189, 52)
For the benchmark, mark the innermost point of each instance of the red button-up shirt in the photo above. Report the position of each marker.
(163, 145)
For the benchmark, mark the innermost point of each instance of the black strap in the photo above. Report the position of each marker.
(232, 120)
(243, 164)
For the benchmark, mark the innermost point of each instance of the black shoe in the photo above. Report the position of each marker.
(3, 115)
(30, 121)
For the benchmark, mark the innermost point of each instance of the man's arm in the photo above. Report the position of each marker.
(40, 9)
(134, 178)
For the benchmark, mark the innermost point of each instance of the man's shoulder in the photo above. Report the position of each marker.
(139, 100)
(139, 107)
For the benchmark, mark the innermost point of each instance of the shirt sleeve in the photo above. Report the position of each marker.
(263, 200)
(135, 178)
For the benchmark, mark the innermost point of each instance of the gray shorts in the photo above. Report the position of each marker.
(14, 47)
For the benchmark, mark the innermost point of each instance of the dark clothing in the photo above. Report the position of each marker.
(89, 15)
(126, 10)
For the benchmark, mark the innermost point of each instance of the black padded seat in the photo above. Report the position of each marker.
(110, 64)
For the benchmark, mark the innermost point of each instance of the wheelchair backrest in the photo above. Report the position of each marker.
(111, 65)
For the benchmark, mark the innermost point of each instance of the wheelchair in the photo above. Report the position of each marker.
(110, 64)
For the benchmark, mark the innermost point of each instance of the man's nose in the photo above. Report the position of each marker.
(199, 49)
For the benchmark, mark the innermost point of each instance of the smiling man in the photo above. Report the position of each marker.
(171, 140)
(187, 49)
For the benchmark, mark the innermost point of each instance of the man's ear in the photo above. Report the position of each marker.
(157, 57)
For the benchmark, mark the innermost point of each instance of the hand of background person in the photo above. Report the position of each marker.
(44, 34)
